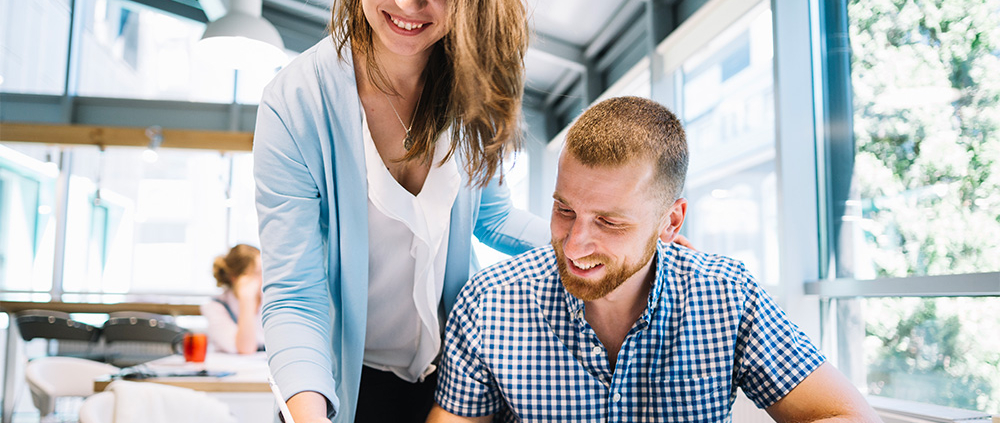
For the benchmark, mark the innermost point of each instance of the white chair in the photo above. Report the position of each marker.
(148, 402)
(98, 408)
(50, 378)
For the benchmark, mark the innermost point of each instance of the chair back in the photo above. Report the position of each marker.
(49, 324)
(136, 337)
(139, 326)
(53, 377)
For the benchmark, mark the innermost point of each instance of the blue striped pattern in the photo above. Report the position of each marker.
(517, 345)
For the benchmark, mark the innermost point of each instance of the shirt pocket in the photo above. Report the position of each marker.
(704, 399)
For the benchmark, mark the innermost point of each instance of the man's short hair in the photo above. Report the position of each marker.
(625, 130)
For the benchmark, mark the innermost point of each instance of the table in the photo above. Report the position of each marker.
(249, 373)
(11, 303)
(246, 391)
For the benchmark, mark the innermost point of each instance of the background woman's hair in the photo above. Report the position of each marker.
(473, 83)
(230, 266)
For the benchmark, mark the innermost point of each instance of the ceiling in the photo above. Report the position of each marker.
(578, 48)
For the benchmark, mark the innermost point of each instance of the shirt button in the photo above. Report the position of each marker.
(598, 350)
(579, 314)
(617, 397)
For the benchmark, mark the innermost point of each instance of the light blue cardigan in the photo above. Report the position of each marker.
(312, 205)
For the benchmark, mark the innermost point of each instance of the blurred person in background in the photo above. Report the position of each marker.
(234, 323)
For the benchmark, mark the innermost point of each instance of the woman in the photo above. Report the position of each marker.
(234, 317)
(376, 159)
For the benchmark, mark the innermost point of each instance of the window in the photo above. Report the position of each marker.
(34, 45)
(250, 83)
(154, 226)
(727, 107)
(27, 229)
(132, 225)
(516, 177)
(132, 51)
(923, 206)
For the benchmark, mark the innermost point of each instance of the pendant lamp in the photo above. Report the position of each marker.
(242, 39)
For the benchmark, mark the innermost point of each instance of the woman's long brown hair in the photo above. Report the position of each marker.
(473, 82)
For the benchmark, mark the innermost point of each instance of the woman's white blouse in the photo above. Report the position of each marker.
(407, 247)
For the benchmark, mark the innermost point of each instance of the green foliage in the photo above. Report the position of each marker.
(927, 130)
(921, 355)
(926, 86)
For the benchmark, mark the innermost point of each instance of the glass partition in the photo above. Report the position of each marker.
(34, 46)
(140, 225)
(133, 225)
(727, 107)
(27, 226)
(132, 51)
(516, 178)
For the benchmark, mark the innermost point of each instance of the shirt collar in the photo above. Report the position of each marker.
(665, 254)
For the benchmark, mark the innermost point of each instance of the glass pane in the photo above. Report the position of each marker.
(936, 350)
(242, 203)
(141, 226)
(131, 51)
(516, 178)
(27, 226)
(34, 41)
(926, 182)
(728, 112)
(250, 83)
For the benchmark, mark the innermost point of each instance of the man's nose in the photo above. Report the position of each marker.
(579, 241)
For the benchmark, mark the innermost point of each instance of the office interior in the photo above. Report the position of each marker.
(847, 151)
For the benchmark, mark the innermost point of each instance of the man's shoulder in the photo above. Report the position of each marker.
(697, 266)
(532, 267)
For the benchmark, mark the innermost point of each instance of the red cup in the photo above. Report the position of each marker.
(195, 346)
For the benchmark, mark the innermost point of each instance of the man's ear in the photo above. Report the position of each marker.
(673, 221)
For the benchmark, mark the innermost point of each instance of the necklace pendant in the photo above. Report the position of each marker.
(408, 141)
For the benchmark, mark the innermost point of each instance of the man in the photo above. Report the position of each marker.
(613, 322)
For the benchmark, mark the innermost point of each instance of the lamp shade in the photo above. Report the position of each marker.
(243, 41)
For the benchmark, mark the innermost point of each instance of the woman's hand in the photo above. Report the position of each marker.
(684, 242)
(247, 291)
(247, 288)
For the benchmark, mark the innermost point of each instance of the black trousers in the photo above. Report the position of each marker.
(384, 397)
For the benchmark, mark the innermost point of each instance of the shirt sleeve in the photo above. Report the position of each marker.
(504, 228)
(466, 387)
(221, 327)
(296, 299)
(773, 355)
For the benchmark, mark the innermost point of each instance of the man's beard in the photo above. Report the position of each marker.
(614, 277)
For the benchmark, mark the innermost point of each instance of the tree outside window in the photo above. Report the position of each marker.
(927, 179)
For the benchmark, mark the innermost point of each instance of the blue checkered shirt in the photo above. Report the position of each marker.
(517, 345)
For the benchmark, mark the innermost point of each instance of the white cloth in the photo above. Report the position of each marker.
(221, 326)
(148, 402)
(407, 249)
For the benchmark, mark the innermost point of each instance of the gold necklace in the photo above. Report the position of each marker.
(408, 141)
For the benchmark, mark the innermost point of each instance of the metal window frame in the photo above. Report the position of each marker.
(959, 285)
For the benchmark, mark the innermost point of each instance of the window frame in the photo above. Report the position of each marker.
(840, 294)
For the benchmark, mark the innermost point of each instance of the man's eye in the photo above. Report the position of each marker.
(607, 223)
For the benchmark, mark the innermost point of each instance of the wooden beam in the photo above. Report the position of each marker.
(82, 307)
(123, 136)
